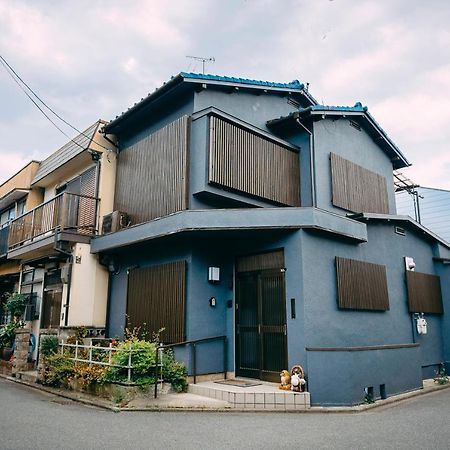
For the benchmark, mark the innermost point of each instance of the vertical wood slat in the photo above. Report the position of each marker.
(156, 299)
(260, 261)
(87, 209)
(424, 293)
(245, 162)
(151, 176)
(356, 188)
(361, 285)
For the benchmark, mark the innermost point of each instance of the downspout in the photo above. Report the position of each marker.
(312, 163)
(69, 276)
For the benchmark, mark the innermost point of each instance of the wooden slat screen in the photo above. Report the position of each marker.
(261, 261)
(356, 188)
(243, 161)
(424, 293)
(151, 178)
(361, 285)
(156, 298)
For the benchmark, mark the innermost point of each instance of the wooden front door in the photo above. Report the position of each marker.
(51, 308)
(261, 341)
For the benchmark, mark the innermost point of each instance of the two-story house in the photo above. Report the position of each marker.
(16, 197)
(51, 241)
(249, 211)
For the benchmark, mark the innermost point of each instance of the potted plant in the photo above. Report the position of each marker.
(15, 306)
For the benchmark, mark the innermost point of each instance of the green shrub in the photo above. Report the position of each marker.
(59, 370)
(8, 333)
(49, 345)
(16, 304)
(174, 372)
(143, 360)
(89, 375)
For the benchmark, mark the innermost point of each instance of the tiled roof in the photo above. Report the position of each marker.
(234, 80)
(294, 85)
(73, 148)
(362, 111)
(358, 107)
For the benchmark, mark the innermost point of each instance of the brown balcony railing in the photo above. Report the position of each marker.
(64, 212)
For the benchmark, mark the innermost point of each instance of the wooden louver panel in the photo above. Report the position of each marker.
(151, 176)
(424, 293)
(356, 188)
(361, 285)
(87, 208)
(156, 299)
(261, 261)
(245, 162)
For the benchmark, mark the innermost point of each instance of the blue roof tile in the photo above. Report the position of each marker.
(295, 84)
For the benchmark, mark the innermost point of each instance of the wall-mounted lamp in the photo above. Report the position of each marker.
(409, 263)
(212, 302)
(213, 274)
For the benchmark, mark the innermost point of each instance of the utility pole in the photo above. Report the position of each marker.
(203, 60)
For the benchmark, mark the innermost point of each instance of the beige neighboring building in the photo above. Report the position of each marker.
(51, 241)
(16, 198)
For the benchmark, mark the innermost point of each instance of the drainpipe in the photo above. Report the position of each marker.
(312, 163)
(70, 258)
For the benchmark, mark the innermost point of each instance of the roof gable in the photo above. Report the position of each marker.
(219, 81)
(359, 114)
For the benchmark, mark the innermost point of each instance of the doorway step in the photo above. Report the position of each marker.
(264, 396)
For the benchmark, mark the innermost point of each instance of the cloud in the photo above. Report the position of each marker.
(94, 59)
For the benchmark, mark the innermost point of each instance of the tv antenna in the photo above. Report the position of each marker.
(203, 60)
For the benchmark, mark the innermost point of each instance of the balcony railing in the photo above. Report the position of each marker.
(4, 233)
(71, 212)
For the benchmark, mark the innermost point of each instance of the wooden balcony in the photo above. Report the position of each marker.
(65, 212)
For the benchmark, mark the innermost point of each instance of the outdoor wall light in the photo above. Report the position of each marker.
(212, 302)
(213, 274)
(409, 263)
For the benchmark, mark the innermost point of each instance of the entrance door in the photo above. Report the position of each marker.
(51, 308)
(261, 324)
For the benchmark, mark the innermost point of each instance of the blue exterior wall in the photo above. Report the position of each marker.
(338, 136)
(251, 108)
(153, 121)
(327, 326)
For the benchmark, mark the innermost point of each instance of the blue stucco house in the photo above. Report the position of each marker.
(247, 210)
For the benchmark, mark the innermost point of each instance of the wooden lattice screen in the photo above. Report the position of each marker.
(424, 293)
(361, 285)
(356, 188)
(156, 299)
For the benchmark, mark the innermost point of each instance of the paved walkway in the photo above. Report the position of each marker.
(194, 402)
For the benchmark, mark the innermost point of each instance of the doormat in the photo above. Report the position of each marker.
(238, 383)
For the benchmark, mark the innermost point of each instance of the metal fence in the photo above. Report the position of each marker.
(103, 356)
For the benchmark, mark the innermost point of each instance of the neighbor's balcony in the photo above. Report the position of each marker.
(72, 213)
(4, 233)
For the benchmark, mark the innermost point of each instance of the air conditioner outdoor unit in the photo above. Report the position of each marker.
(114, 222)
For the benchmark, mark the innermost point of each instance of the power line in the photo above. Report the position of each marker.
(15, 75)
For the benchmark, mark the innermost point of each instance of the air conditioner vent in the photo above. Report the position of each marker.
(115, 221)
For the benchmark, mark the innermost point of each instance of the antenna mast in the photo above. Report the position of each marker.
(203, 60)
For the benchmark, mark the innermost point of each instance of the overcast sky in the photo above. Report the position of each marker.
(92, 59)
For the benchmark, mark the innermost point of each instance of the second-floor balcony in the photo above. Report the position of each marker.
(72, 213)
(4, 233)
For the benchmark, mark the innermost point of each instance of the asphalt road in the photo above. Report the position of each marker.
(30, 419)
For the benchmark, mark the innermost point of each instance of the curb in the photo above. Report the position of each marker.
(314, 409)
